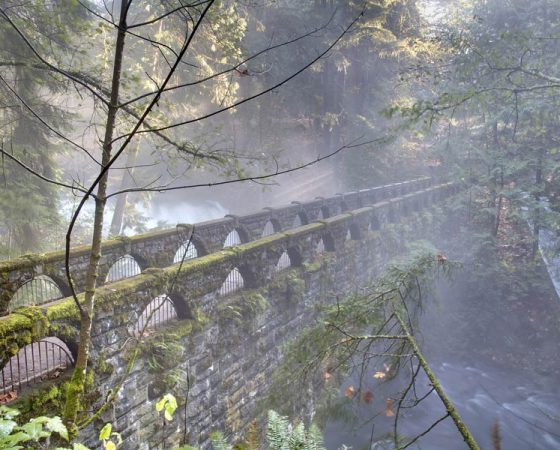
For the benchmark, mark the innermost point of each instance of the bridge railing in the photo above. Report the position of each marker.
(127, 256)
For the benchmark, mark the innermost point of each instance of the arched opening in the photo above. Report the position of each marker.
(187, 250)
(44, 360)
(160, 311)
(124, 267)
(328, 242)
(300, 220)
(324, 213)
(271, 227)
(283, 262)
(233, 282)
(354, 232)
(235, 237)
(320, 247)
(37, 291)
(296, 259)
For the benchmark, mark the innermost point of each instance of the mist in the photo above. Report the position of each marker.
(126, 119)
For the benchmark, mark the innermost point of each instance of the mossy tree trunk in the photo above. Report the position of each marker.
(434, 381)
(76, 387)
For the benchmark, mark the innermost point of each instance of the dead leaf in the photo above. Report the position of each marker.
(367, 397)
(349, 392)
(8, 397)
(327, 376)
(389, 408)
(441, 259)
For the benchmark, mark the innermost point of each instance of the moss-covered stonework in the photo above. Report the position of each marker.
(222, 351)
(157, 248)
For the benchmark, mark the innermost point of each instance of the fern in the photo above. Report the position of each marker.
(281, 435)
(315, 438)
(219, 442)
(277, 431)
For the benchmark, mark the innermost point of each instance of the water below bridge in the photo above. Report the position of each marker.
(498, 365)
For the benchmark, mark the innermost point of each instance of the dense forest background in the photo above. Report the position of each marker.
(53, 124)
(475, 82)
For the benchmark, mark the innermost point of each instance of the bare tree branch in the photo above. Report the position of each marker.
(248, 178)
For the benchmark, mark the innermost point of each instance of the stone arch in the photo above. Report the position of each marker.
(158, 312)
(284, 262)
(300, 219)
(125, 267)
(354, 232)
(36, 291)
(233, 282)
(296, 258)
(237, 236)
(319, 247)
(182, 307)
(324, 244)
(328, 242)
(272, 226)
(194, 248)
(324, 213)
(34, 363)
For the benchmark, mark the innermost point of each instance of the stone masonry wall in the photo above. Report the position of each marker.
(219, 355)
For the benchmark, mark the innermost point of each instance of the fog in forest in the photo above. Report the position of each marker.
(120, 119)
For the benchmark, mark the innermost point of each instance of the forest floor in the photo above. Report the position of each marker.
(502, 309)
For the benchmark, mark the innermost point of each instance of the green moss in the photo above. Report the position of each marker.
(44, 399)
(267, 242)
(242, 309)
(103, 367)
(312, 266)
(19, 329)
(65, 309)
(189, 327)
(295, 288)
(201, 264)
(163, 351)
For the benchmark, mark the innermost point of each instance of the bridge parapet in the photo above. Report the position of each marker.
(159, 248)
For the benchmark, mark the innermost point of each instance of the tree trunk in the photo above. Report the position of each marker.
(76, 387)
(500, 203)
(126, 182)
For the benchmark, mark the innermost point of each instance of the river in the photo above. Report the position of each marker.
(496, 360)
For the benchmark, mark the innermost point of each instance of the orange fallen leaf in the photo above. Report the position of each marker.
(8, 397)
(389, 408)
(379, 375)
(367, 397)
(349, 392)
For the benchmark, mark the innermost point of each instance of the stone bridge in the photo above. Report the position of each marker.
(209, 321)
